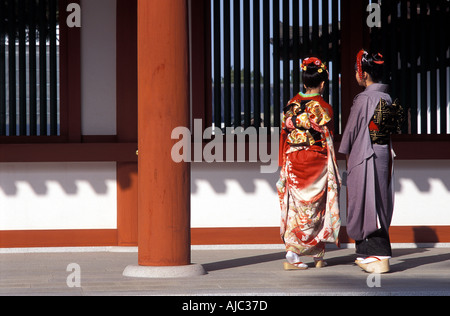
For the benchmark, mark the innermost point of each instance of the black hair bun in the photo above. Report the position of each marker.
(373, 65)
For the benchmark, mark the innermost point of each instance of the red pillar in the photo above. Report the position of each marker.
(163, 104)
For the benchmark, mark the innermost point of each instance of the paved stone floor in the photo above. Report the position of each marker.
(238, 272)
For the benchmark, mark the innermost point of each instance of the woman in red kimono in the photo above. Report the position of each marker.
(309, 183)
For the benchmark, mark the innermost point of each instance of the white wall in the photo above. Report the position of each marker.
(422, 193)
(233, 195)
(98, 67)
(47, 196)
(238, 195)
(84, 195)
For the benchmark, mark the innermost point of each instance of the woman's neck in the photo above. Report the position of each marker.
(312, 91)
(368, 83)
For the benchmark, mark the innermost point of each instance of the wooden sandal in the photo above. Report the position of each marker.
(295, 266)
(377, 266)
(320, 263)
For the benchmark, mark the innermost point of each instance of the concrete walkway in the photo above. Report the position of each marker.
(230, 272)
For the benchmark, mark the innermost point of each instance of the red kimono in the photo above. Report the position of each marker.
(309, 183)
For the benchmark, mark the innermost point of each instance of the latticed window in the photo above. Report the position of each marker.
(414, 38)
(29, 68)
(257, 46)
(257, 49)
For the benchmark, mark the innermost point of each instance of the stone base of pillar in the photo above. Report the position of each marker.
(137, 271)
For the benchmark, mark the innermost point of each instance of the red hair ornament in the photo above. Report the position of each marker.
(362, 56)
(380, 61)
(359, 58)
(316, 61)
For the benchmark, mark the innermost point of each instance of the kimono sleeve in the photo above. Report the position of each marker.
(354, 125)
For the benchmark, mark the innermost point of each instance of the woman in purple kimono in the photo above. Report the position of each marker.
(366, 143)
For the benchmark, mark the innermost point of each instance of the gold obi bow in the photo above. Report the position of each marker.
(304, 117)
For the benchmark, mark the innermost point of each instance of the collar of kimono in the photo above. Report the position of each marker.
(304, 95)
(378, 87)
(359, 59)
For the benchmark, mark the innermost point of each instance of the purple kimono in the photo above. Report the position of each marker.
(369, 180)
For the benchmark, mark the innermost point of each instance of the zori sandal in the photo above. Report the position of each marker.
(320, 263)
(294, 262)
(295, 266)
(374, 264)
